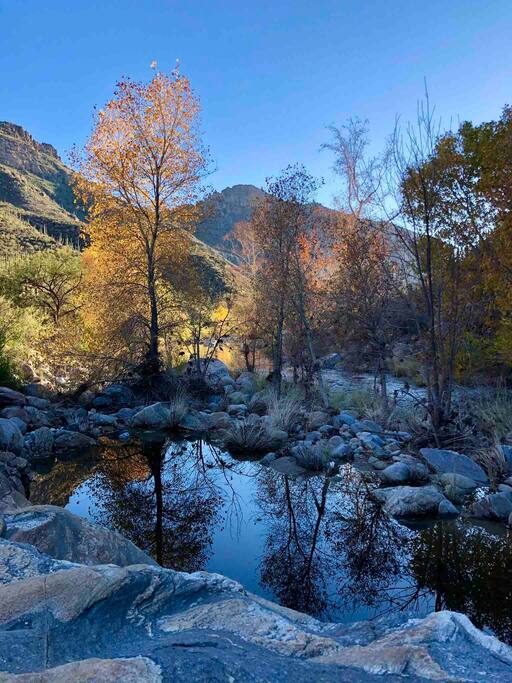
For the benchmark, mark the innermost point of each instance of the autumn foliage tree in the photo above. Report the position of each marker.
(138, 176)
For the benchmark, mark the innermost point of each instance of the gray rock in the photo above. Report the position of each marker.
(12, 494)
(219, 421)
(334, 442)
(103, 420)
(237, 397)
(36, 417)
(66, 440)
(313, 437)
(413, 502)
(237, 409)
(397, 473)
(496, 506)
(94, 670)
(102, 401)
(341, 452)
(370, 426)
(288, 465)
(155, 416)
(458, 480)
(246, 382)
(10, 397)
(204, 627)
(39, 403)
(119, 394)
(11, 438)
(442, 461)
(22, 426)
(58, 533)
(38, 444)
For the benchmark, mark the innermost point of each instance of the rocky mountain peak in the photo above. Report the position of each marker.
(19, 150)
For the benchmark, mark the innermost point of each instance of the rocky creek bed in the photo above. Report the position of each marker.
(81, 601)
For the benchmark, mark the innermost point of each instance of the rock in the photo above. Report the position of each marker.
(458, 480)
(22, 426)
(237, 397)
(66, 440)
(495, 506)
(2, 527)
(11, 438)
(12, 494)
(313, 437)
(36, 417)
(398, 473)
(259, 403)
(414, 502)
(102, 401)
(237, 409)
(219, 421)
(194, 422)
(443, 461)
(103, 420)
(125, 414)
(119, 394)
(268, 458)
(334, 442)
(9, 397)
(204, 627)
(39, 403)
(246, 382)
(131, 670)
(38, 444)
(58, 533)
(155, 416)
(330, 361)
(366, 426)
(317, 419)
(15, 411)
(287, 464)
(344, 418)
(277, 438)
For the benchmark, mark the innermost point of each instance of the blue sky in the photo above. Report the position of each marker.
(271, 75)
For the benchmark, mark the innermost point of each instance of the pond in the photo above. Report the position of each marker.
(318, 544)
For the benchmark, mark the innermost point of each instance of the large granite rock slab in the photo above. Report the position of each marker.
(132, 670)
(87, 621)
(65, 536)
(442, 461)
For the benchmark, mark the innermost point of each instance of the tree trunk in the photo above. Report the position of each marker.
(278, 353)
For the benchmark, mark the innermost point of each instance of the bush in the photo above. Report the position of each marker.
(493, 462)
(312, 458)
(178, 408)
(243, 436)
(285, 411)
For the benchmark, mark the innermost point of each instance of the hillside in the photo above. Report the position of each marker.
(36, 201)
(223, 210)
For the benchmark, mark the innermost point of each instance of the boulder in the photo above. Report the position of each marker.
(414, 502)
(38, 444)
(495, 506)
(237, 397)
(459, 481)
(237, 409)
(246, 382)
(11, 438)
(22, 426)
(155, 416)
(397, 473)
(9, 397)
(287, 464)
(39, 403)
(58, 533)
(443, 461)
(67, 440)
(218, 421)
(205, 627)
(366, 426)
(103, 420)
(119, 394)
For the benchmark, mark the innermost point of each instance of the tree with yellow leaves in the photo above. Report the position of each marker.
(139, 176)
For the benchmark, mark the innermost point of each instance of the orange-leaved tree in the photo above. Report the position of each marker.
(139, 175)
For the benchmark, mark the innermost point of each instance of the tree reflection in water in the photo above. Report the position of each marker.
(162, 497)
(328, 541)
(328, 548)
(468, 570)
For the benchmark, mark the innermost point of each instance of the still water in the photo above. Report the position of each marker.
(316, 544)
